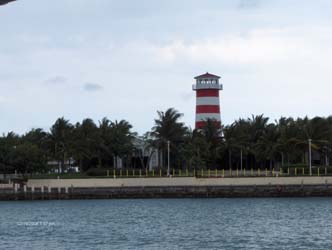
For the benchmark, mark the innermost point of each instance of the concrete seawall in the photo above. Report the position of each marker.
(169, 188)
(178, 181)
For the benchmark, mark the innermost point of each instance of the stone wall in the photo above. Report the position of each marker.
(168, 188)
(178, 181)
(168, 192)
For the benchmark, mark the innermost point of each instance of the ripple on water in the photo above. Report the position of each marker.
(282, 223)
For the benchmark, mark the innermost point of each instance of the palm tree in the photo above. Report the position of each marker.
(230, 142)
(287, 141)
(316, 129)
(122, 139)
(242, 136)
(267, 146)
(8, 144)
(194, 152)
(38, 137)
(105, 141)
(168, 128)
(85, 143)
(256, 127)
(60, 139)
(212, 133)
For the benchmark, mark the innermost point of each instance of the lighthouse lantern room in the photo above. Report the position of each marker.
(207, 89)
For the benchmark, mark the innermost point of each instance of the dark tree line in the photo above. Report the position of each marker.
(247, 143)
(87, 144)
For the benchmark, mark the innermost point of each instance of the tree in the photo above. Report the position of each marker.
(28, 158)
(241, 132)
(85, 144)
(287, 141)
(8, 143)
(316, 129)
(60, 140)
(229, 143)
(267, 145)
(105, 144)
(122, 139)
(212, 134)
(194, 152)
(168, 128)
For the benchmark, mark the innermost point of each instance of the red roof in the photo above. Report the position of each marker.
(207, 75)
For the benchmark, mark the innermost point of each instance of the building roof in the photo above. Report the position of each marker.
(207, 75)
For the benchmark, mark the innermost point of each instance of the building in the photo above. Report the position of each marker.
(145, 154)
(207, 89)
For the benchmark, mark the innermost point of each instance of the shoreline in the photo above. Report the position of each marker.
(271, 191)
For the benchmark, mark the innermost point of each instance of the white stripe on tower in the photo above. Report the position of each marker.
(204, 116)
(207, 101)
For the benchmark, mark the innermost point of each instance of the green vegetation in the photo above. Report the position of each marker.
(253, 143)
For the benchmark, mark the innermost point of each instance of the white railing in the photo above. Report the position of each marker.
(207, 86)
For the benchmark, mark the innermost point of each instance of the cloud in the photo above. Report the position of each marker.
(56, 80)
(259, 46)
(3, 99)
(186, 96)
(248, 4)
(269, 64)
(91, 87)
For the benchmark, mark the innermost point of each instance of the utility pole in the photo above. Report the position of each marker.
(168, 169)
(241, 160)
(309, 157)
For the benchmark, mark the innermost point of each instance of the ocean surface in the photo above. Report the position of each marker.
(282, 223)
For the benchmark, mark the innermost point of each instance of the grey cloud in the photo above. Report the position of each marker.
(186, 96)
(248, 4)
(56, 80)
(92, 87)
(3, 99)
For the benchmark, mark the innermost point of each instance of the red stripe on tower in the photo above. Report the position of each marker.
(207, 109)
(207, 92)
(207, 89)
(201, 124)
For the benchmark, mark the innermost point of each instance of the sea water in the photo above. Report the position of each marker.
(281, 223)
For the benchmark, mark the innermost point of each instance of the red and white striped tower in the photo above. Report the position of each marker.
(207, 89)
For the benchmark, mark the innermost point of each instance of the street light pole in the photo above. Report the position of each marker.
(241, 160)
(309, 157)
(168, 169)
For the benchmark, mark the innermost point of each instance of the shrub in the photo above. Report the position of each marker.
(97, 172)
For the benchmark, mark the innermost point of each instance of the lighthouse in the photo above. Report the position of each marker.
(207, 89)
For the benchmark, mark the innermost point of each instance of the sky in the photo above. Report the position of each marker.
(127, 59)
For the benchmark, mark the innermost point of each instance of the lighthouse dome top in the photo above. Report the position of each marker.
(207, 81)
(207, 75)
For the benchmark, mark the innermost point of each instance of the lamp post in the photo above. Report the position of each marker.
(309, 157)
(241, 160)
(168, 169)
